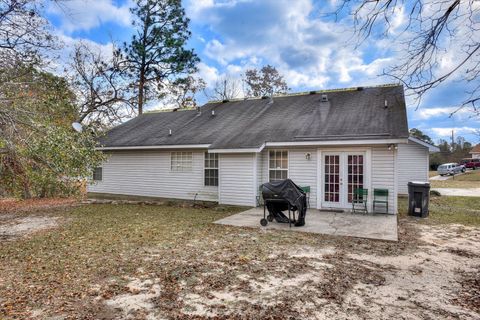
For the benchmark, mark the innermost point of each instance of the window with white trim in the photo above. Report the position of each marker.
(211, 169)
(97, 174)
(278, 165)
(181, 161)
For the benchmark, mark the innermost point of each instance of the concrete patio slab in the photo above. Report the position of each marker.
(459, 192)
(371, 226)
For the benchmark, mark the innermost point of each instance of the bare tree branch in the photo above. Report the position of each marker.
(440, 42)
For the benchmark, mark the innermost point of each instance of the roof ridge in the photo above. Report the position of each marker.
(304, 93)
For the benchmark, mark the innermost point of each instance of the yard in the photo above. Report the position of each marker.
(471, 179)
(145, 262)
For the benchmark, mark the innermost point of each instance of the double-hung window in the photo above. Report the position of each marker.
(278, 165)
(211, 169)
(181, 161)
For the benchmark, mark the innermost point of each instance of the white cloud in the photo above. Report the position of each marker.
(78, 15)
(398, 20)
(310, 52)
(207, 73)
(447, 132)
(427, 113)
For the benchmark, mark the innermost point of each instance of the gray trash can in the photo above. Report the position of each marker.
(418, 198)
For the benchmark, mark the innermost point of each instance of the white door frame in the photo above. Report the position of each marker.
(320, 176)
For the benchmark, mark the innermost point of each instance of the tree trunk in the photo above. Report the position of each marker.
(141, 85)
(143, 66)
(26, 191)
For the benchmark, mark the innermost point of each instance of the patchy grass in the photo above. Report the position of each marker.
(432, 173)
(471, 179)
(140, 262)
(449, 210)
(100, 242)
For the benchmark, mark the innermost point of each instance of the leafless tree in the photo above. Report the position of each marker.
(434, 31)
(265, 82)
(103, 94)
(226, 88)
(181, 93)
(23, 31)
(24, 36)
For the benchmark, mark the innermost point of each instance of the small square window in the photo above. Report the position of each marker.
(97, 174)
(181, 161)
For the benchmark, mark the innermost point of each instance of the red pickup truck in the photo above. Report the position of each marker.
(471, 163)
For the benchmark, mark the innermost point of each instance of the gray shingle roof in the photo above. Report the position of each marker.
(348, 114)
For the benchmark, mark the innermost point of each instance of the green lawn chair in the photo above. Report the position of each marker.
(306, 189)
(380, 197)
(359, 201)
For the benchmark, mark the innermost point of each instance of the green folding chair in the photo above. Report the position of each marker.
(380, 197)
(359, 201)
(306, 189)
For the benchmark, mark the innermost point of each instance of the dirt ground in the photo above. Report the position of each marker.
(238, 273)
(323, 282)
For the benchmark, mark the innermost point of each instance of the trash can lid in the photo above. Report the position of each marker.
(419, 183)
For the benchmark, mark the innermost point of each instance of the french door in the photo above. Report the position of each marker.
(342, 173)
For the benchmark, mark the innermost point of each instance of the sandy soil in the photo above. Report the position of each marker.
(12, 227)
(427, 279)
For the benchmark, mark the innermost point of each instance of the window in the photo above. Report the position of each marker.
(211, 169)
(181, 161)
(278, 165)
(97, 174)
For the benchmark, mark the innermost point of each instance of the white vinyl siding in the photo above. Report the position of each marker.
(300, 170)
(148, 173)
(383, 174)
(237, 179)
(304, 172)
(260, 181)
(412, 165)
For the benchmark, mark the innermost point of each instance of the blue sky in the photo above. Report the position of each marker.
(309, 48)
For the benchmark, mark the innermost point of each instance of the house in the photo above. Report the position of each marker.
(475, 152)
(332, 141)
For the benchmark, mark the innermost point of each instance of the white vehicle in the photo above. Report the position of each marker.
(450, 168)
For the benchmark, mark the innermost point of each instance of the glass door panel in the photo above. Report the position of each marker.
(332, 178)
(355, 174)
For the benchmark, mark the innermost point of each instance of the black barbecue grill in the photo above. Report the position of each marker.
(283, 195)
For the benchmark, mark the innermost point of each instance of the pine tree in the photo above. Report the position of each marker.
(157, 53)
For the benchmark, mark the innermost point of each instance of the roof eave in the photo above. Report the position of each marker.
(338, 142)
(431, 147)
(159, 147)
